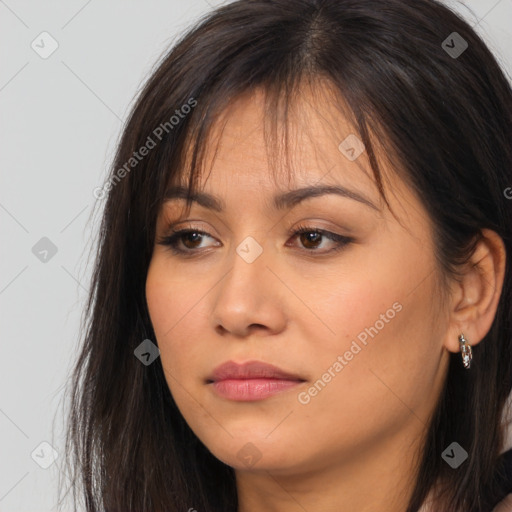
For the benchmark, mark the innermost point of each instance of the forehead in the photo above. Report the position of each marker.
(249, 146)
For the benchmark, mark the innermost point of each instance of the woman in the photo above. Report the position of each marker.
(322, 321)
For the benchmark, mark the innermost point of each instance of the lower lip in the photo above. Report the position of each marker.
(249, 390)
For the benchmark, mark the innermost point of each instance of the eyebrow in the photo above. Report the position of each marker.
(282, 201)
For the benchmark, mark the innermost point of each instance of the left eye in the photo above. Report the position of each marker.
(309, 237)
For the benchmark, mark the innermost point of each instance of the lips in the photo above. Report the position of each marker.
(252, 381)
(250, 370)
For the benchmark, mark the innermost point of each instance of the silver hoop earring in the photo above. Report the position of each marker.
(467, 353)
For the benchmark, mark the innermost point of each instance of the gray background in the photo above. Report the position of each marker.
(61, 118)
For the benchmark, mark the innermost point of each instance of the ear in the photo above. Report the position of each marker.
(474, 299)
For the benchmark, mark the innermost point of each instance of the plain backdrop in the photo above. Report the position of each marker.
(61, 118)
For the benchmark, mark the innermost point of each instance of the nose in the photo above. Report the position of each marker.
(249, 298)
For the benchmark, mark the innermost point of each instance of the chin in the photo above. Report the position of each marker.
(255, 452)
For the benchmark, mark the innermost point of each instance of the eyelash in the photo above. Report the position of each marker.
(172, 240)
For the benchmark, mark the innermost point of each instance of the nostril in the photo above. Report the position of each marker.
(257, 326)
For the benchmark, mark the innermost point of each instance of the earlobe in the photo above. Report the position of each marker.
(476, 295)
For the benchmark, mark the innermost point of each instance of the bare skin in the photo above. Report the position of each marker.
(351, 445)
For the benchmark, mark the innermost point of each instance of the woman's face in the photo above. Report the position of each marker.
(355, 323)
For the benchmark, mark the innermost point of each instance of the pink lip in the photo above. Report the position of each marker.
(251, 381)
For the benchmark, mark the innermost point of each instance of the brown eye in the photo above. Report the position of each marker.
(310, 239)
(185, 241)
(191, 239)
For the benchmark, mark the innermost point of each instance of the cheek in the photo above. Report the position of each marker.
(390, 354)
(175, 309)
(176, 305)
(382, 323)
(172, 305)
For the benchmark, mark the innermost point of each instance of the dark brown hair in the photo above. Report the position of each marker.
(446, 122)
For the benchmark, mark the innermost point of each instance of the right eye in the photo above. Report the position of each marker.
(184, 241)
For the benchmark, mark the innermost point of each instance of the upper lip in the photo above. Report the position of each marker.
(250, 370)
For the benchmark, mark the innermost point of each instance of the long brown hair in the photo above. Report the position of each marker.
(446, 119)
